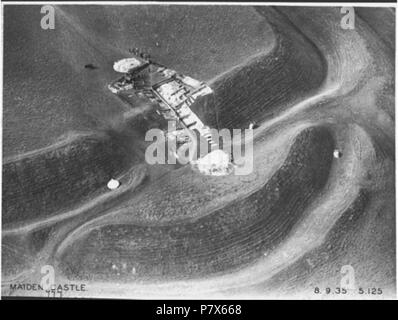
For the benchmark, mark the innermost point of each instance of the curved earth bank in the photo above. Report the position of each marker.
(278, 232)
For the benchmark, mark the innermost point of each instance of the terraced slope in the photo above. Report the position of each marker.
(290, 225)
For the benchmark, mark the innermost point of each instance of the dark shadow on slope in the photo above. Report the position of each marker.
(227, 239)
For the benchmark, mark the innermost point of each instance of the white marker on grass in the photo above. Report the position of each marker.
(113, 184)
(337, 154)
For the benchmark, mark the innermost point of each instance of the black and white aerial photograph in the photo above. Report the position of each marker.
(198, 151)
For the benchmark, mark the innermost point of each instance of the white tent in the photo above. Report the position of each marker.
(126, 65)
(215, 163)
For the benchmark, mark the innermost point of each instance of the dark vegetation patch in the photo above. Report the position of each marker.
(43, 184)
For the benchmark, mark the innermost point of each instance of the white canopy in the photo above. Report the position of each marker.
(127, 64)
(215, 163)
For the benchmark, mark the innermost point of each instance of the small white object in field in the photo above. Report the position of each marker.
(113, 184)
(337, 154)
